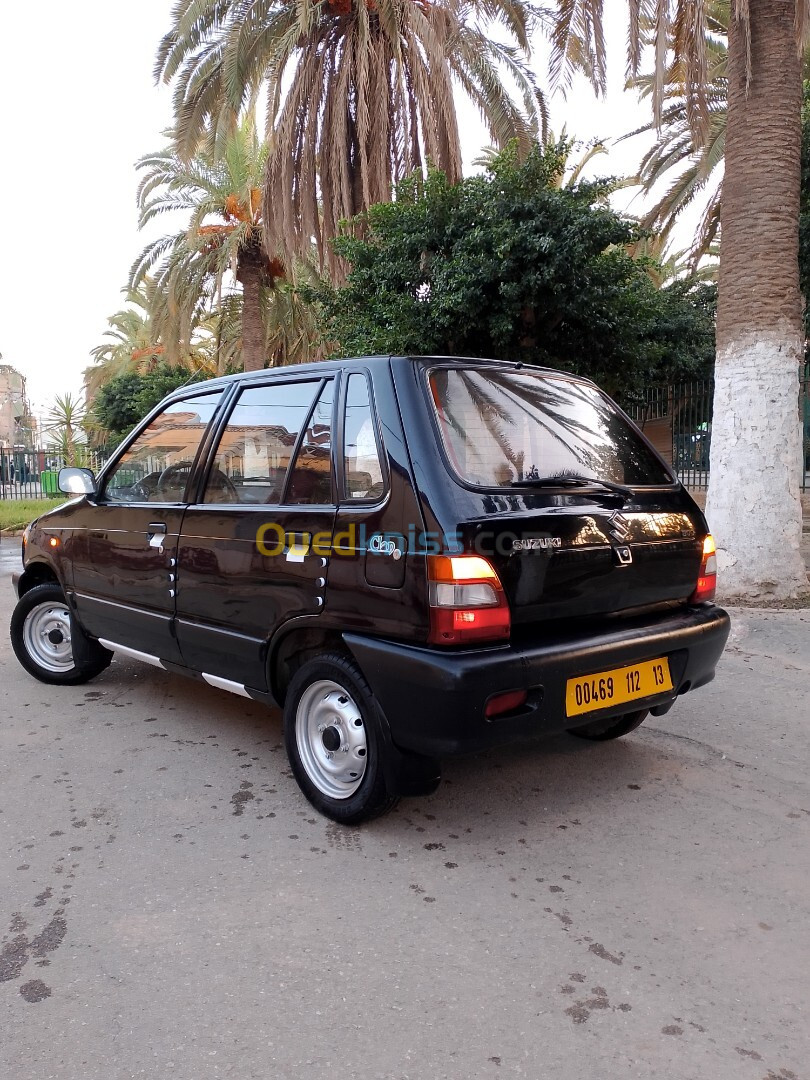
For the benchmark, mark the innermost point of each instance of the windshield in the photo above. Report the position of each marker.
(503, 427)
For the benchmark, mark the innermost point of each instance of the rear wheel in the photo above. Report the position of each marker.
(334, 736)
(612, 728)
(42, 636)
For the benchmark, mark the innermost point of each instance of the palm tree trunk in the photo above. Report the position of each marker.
(70, 446)
(753, 504)
(253, 352)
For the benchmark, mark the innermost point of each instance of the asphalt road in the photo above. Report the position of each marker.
(172, 908)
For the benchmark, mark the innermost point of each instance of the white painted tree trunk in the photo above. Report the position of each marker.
(753, 505)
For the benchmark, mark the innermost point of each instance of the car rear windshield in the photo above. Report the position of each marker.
(503, 427)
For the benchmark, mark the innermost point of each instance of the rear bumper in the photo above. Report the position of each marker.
(434, 700)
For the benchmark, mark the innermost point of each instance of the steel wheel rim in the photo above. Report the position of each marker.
(331, 737)
(46, 633)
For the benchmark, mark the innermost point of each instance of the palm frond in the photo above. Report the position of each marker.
(359, 92)
(688, 153)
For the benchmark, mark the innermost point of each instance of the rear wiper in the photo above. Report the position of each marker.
(572, 480)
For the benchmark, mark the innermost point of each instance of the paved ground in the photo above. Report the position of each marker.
(172, 908)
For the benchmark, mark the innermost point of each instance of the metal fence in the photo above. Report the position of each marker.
(34, 474)
(678, 421)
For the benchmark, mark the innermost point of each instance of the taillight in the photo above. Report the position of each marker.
(707, 578)
(467, 601)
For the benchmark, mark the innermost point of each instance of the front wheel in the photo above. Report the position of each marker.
(612, 728)
(334, 737)
(42, 636)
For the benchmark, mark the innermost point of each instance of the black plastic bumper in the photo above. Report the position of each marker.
(434, 699)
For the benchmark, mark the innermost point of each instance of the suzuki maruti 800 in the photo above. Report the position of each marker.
(412, 556)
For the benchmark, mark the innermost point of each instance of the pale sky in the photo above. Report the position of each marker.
(79, 107)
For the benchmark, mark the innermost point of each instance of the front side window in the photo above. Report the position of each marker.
(362, 469)
(254, 453)
(157, 465)
(500, 428)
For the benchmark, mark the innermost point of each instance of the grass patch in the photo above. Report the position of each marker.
(17, 513)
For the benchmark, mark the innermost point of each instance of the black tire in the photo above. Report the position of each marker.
(329, 712)
(42, 614)
(611, 728)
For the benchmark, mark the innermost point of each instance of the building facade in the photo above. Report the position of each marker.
(15, 414)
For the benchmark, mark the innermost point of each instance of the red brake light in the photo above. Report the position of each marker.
(467, 601)
(707, 578)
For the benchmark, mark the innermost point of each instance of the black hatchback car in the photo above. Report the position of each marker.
(414, 556)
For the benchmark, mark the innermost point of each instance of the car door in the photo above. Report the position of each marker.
(124, 567)
(249, 556)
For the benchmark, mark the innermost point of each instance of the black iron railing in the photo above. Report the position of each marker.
(678, 421)
(34, 474)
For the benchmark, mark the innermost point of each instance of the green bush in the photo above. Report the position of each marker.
(510, 265)
(126, 399)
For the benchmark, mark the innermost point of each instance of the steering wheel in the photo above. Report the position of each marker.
(145, 488)
(173, 476)
(221, 484)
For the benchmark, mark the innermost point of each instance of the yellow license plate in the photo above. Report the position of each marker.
(591, 692)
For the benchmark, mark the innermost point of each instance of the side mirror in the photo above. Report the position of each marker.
(77, 481)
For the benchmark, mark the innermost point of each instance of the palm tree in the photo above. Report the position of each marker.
(360, 94)
(131, 345)
(64, 426)
(753, 502)
(134, 345)
(292, 325)
(222, 195)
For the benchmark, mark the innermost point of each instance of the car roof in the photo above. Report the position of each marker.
(322, 367)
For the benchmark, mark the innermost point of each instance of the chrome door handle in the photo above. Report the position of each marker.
(156, 534)
(297, 546)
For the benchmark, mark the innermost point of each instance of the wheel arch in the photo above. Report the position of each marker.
(36, 573)
(294, 648)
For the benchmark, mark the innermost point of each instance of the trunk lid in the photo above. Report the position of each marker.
(573, 561)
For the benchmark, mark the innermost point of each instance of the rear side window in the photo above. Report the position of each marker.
(502, 427)
(311, 476)
(362, 468)
(254, 452)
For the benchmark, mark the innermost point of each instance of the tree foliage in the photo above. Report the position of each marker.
(512, 266)
(687, 159)
(125, 399)
(134, 345)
